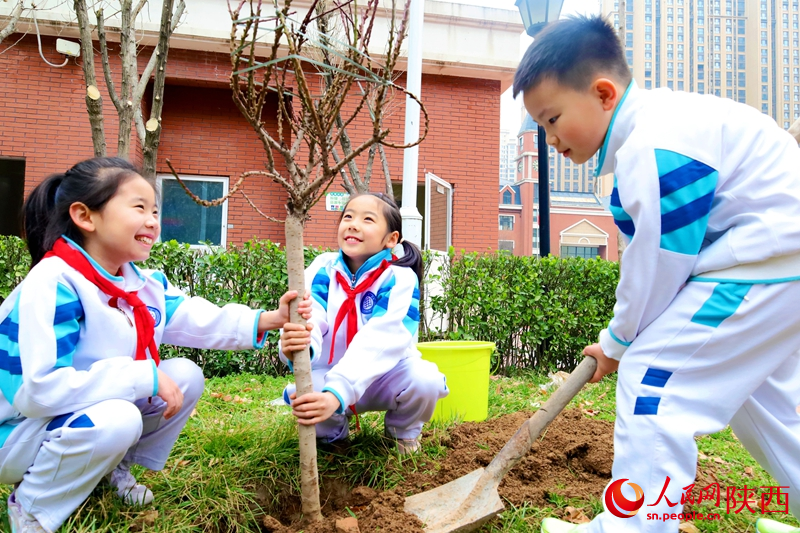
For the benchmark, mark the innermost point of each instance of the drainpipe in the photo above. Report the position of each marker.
(412, 219)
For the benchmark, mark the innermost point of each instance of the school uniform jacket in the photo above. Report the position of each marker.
(388, 319)
(63, 347)
(704, 188)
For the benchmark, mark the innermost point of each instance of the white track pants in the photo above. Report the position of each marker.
(720, 354)
(59, 461)
(408, 393)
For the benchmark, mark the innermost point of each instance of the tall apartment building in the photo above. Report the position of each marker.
(746, 50)
(565, 175)
(508, 156)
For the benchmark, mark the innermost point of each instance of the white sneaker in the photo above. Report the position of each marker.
(131, 492)
(21, 521)
(404, 446)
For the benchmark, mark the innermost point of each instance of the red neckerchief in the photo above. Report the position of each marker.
(145, 328)
(348, 309)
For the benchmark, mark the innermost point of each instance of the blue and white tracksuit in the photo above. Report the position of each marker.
(707, 320)
(381, 370)
(74, 400)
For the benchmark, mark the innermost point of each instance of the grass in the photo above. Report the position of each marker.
(237, 458)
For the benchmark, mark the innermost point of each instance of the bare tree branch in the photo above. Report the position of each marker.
(16, 13)
(101, 38)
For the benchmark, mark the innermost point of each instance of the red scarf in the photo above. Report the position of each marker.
(348, 308)
(145, 328)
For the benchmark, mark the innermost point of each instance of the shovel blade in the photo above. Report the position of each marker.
(448, 508)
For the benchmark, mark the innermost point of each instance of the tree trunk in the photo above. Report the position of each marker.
(94, 102)
(295, 266)
(153, 127)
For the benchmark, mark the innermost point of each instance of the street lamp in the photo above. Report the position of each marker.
(535, 16)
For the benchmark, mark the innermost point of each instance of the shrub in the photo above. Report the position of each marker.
(540, 313)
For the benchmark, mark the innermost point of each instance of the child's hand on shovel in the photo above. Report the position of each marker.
(605, 365)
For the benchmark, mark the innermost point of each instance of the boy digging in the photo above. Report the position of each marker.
(706, 327)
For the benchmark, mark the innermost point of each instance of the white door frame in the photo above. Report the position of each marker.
(438, 181)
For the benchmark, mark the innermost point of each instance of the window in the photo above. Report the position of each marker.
(586, 252)
(506, 222)
(508, 198)
(507, 246)
(185, 221)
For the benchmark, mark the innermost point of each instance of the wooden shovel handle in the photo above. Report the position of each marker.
(521, 442)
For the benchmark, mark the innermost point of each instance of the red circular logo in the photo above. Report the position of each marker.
(619, 505)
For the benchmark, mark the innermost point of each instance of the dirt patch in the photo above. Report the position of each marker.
(573, 459)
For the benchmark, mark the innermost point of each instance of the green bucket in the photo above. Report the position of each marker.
(465, 364)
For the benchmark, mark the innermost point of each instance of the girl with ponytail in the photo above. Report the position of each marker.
(83, 393)
(365, 315)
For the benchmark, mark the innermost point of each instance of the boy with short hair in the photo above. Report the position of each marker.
(706, 328)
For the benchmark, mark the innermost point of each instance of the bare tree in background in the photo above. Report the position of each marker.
(16, 13)
(128, 100)
(324, 78)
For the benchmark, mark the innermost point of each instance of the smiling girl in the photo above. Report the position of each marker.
(365, 315)
(84, 394)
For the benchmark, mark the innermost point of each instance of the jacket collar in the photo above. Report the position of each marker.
(131, 279)
(622, 123)
(371, 264)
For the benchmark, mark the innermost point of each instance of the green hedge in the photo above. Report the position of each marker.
(253, 274)
(539, 312)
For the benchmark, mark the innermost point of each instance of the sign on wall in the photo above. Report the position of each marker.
(335, 201)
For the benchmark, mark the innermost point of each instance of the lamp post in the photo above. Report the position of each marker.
(535, 16)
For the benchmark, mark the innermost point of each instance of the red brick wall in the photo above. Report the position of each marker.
(43, 118)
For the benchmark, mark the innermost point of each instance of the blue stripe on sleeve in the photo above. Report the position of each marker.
(320, 286)
(681, 177)
(382, 298)
(171, 304)
(10, 363)
(687, 189)
(68, 306)
(687, 214)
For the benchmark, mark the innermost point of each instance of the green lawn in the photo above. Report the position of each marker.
(238, 457)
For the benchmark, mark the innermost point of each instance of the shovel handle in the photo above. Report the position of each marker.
(523, 439)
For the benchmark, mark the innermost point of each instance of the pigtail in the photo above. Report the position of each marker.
(38, 211)
(412, 258)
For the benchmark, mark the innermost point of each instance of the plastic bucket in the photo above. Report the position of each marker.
(465, 364)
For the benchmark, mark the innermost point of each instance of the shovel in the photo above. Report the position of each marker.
(468, 502)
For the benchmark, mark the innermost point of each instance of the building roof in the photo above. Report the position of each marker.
(528, 124)
(575, 199)
(517, 195)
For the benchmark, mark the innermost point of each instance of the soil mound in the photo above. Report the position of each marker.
(572, 459)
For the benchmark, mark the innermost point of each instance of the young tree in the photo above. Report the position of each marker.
(16, 13)
(128, 100)
(313, 68)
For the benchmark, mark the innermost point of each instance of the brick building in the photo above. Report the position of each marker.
(580, 224)
(45, 128)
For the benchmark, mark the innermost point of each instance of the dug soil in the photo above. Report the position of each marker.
(573, 459)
